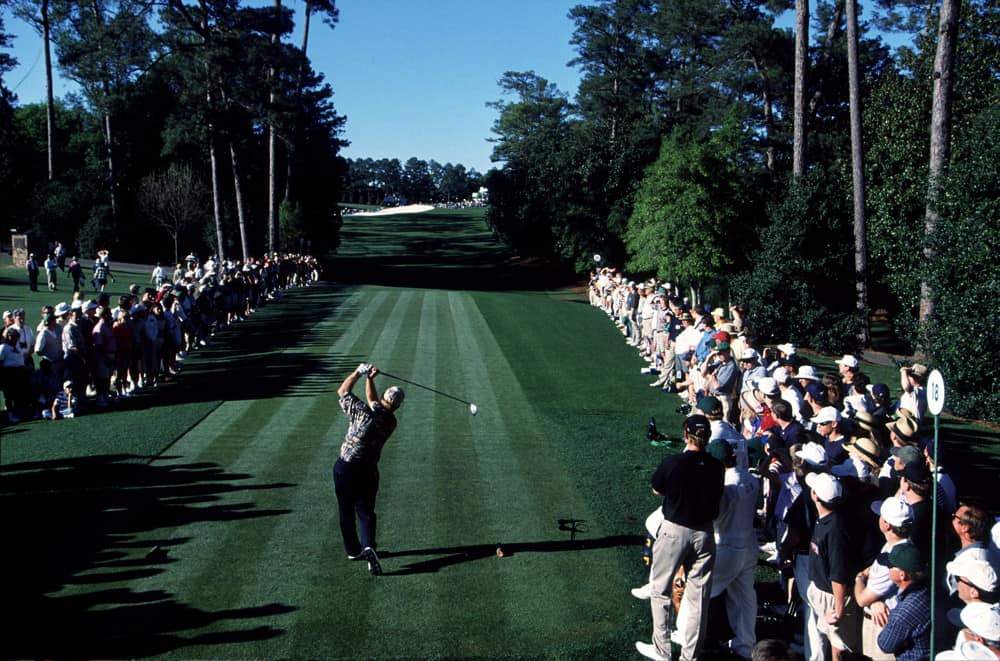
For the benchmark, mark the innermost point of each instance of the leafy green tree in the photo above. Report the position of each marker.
(526, 194)
(694, 211)
(799, 287)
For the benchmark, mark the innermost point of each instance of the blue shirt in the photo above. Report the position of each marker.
(907, 634)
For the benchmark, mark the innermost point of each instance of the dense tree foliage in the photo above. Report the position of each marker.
(388, 182)
(166, 86)
(675, 159)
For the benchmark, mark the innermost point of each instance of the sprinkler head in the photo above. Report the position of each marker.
(473, 409)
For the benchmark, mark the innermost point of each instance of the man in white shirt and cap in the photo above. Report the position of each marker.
(873, 589)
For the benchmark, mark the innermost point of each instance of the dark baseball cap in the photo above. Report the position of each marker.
(699, 426)
(916, 471)
(721, 450)
(709, 404)
(816, 391)
(907, 557)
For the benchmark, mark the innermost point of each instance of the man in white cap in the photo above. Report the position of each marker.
(832, 568)
(979, 638)
(752, 370)
(975, 579)
(873, 589)
(850, 368)
(355, 475)
(914, 397)
(971, 524)
(827, 424)
(789, 392)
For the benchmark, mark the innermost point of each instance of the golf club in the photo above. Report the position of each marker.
(473, 409)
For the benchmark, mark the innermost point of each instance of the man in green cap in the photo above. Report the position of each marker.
(721, 375)
(907, 634)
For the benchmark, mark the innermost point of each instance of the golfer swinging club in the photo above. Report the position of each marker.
(355, 475)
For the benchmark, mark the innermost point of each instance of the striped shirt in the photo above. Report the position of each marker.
(907, 634)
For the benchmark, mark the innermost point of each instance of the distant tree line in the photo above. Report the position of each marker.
(206, 97)
(814, 178)
(389, 182)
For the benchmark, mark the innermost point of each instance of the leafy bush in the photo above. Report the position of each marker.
(965, 274)
(800, 286)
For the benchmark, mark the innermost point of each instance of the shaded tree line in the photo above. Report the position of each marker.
(810, 172)
(387, 181)
(205, 96)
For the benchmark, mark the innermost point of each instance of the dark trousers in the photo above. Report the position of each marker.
(356, 486)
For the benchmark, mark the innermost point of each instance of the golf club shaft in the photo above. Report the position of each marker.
(420, 385)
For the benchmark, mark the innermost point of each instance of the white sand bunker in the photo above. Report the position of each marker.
(392, 211)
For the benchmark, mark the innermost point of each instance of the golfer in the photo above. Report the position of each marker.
(355, 475)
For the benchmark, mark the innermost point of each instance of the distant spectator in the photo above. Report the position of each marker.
(32, 267)
(64, 405)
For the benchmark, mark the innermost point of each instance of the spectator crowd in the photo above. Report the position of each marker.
(827, 472)
(86, 354)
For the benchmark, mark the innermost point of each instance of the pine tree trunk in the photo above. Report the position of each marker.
(112, 179)
(240, 212)
(272, 166)
(49, 96)
(801, 61)
(944, 85)
(858, 174)
(216, 194)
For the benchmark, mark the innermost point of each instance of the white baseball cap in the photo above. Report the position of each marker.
(813, 454)
(982, 619)
(975, 570)
(787, 348)
(768, 386)
(968, 650)
(749, 354)
(849, 361)
(896, 511)
(807, 372)
(826, 487)
(826, 414)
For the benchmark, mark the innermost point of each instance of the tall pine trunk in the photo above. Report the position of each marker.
(272, 151)
(49, 96)
(213, 159)
(240, 209)
(296, 145)
(944, 85)
(798, 113)
(858, 174)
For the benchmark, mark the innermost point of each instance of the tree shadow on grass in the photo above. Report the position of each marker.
(453, 555)
(77, 530)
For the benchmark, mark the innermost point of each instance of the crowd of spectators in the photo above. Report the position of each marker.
(847, 490)
(86, 354)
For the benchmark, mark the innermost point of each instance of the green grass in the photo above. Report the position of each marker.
(228, 471)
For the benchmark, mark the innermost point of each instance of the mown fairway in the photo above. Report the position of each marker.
(239, 491)
(229, 472)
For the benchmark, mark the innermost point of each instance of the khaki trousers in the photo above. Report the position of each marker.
(694, 549)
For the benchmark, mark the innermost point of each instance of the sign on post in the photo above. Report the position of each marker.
(935, 393)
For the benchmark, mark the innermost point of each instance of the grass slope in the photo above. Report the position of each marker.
(228, 472)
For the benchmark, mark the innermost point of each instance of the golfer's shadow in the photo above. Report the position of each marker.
(453, 555)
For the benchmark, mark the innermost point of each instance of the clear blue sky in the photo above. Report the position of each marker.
(413, 77)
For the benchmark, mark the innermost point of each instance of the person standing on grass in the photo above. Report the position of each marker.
(76, 273)
(355, 475)
(691, 484)
(32, 267)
